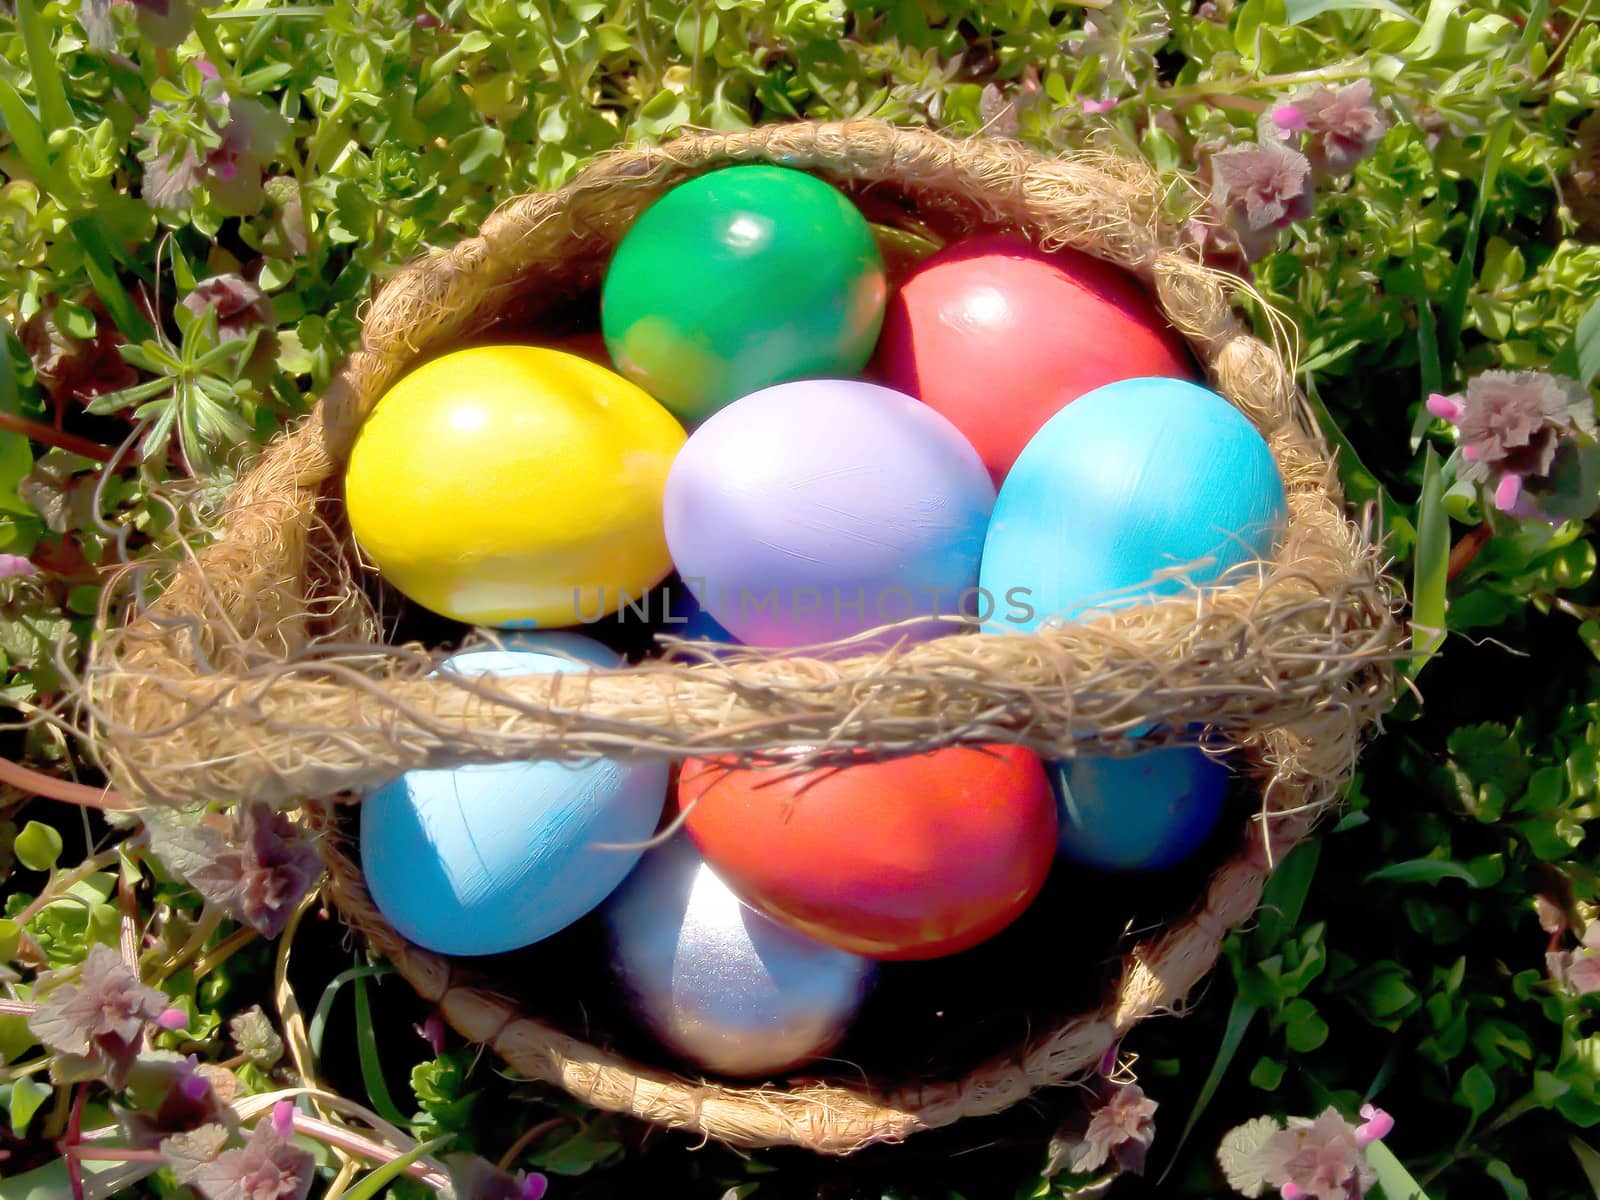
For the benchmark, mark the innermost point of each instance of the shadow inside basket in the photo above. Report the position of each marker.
(923, 1021)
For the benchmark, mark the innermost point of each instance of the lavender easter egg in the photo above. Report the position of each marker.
(1139, 488)
(487, 858)
(719, 984)
(1143, 813)
(822, 508)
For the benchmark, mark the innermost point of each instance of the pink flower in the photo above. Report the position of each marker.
(1342, 126)
(267, 1167)
(240, 305)
(1318, 1160)
(1521, 435)
(1376, 1125)
(1122, 1128)
(96, 1023)
(257, 871)
(1097, 106)
(1289, 119)
(1261, 189)
(13, 565)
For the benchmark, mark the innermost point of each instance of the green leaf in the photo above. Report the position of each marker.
(371, 1066)
(1298, 11)
(1476, 1090)
(1502, 1174)
(1393, 1178)
(1284, 897)
(372, 1184)
(54, 111)
(26, 1097)
(1430, 571)
(10, 939)
(275, 273)
(1580, 358)
(38, 846)
(1589, 1160)
(1424, 870)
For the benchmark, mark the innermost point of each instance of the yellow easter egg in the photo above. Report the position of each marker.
(514, 485)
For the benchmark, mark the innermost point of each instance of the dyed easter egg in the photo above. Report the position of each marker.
(514, 485)
(740, 279)
(718, 983)
(487, 858)
(1000, 336)
(822, 508)
(1134, 479)
(686, 619)
(1143, 813)
(906, 858)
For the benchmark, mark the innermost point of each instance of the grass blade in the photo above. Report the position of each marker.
(1298, 11)
(1393, 1178)
(1455, 300)
(371, 1066)
(1239, 1019)
(54, 111)
(28, 136)
(1589, 1160)
(319, 1018)
(1284, 897)
(1431, 565)
(373, 1183)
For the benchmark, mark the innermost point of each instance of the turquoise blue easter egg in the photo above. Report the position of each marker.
(1143, 813)
(487, 858)
(1125, 486)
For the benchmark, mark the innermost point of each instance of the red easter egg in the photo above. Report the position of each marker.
(999, 337)
(907, 858)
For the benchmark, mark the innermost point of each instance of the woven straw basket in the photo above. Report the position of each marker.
(259, 672)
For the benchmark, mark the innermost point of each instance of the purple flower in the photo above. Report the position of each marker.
(257, 871)
(1261, 189)
(96, 1023)
(1318, 1160)
(177, 1096)
(472, 1178)
(230, 171)
(1342, 126)
(240, 305)
(1515, 428)
(267, 1167)
(1120, 1129)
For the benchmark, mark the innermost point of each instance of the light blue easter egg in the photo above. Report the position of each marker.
(1128, 481)
(488, 858)
(719, 984)
(1143, 813)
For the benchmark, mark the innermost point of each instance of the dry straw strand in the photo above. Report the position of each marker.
(257, 672)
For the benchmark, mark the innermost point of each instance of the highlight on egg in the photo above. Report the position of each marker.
(1141, 488)
(487, 858)
(823, 508)
(717, 983)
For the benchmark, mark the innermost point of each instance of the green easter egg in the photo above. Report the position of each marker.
(740, 279)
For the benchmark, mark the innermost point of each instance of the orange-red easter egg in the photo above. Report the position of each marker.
(1000, 336)
(908, 858)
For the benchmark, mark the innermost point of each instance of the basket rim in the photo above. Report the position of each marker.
(1305, 739)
